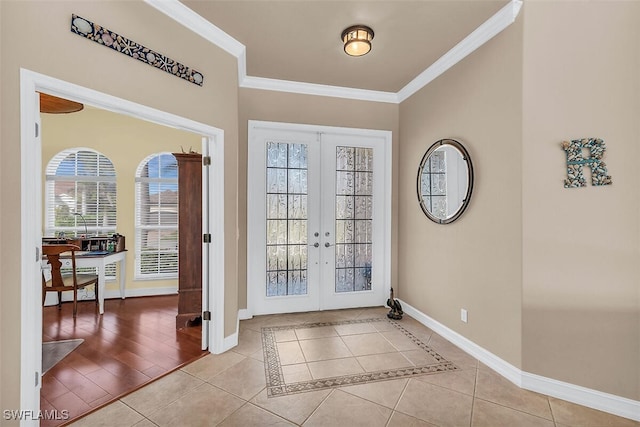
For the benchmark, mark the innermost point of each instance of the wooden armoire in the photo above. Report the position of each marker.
(189, 238)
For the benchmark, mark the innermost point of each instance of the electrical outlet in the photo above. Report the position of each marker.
(463, 315)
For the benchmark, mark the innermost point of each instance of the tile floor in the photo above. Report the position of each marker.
(231, 389)
(134, 342)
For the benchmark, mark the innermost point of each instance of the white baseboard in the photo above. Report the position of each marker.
(141, 292)
(244, 314)
(504, 368)
(88, 295)
(595, 399)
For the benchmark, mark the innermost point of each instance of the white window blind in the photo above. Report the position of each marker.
(80, 194)
(157, 217)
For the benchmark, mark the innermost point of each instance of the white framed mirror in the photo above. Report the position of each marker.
(445, 181)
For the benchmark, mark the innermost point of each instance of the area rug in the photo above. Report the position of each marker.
(54, 351)
(277, 385)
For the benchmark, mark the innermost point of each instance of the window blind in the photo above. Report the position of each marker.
(80, 188)
(156, 219)
(80, 195)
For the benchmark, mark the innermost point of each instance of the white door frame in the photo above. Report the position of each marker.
(253, 204)
(31, 208)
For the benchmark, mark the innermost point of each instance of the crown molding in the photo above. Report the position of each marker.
(196, 23)
(317, 89)
(205, 29)
(485, 32)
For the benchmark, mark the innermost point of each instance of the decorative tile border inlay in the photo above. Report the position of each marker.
(87, 29)
(276, 385)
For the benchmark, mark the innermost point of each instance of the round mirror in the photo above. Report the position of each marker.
(445, 181)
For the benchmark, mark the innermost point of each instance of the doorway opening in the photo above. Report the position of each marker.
(31, 84)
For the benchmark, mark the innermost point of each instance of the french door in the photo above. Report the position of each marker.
(318, 218)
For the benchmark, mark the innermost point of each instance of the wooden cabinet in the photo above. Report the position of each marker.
(190, 238)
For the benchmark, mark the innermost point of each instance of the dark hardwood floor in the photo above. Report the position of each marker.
(134, 342)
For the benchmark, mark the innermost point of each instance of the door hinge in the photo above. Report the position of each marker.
(206, 315)
(37, 377)
(38, 256)
(206, 160)
(37, 130)
(206, 238)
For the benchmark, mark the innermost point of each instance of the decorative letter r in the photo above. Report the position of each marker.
(575, 162)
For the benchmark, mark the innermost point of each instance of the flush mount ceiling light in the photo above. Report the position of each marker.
(357, 40)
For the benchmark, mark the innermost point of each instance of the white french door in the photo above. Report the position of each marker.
(318, 218)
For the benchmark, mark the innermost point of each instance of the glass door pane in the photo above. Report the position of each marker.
(352, 221)
(286, 219)
(282, 220)
(354, 202)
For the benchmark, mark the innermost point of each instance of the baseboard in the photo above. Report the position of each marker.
(591, 398)
(141, 292)
(595, 399)
(84, 295)
(504, 368)
(244, 314)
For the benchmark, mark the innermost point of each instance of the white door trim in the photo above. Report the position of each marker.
(31, 206)
(252, 205)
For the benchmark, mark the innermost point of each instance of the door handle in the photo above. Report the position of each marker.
(327, 244)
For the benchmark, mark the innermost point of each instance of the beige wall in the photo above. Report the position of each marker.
(567, 257)
(581, 247)
(542, 293)
(475, 262)
(126, 142)
(549, 275)
(315, 110)
(35, 35)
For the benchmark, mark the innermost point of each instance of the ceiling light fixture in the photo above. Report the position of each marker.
(357, 40)
(54, 105)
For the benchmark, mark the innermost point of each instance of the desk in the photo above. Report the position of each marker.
(100, 261)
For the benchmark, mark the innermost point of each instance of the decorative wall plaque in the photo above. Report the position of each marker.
(576, 161)
(87, 29)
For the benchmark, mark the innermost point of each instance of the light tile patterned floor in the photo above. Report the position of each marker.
(235, 388)
(313, 356)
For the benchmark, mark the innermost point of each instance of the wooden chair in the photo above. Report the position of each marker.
(65, 282)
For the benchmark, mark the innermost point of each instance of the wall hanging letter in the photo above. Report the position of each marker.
(575, 162)
(94, 32)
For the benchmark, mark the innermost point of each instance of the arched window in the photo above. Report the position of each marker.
(157, 217)
(80, 194)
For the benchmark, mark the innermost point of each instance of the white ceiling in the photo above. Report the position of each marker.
(299, 40)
